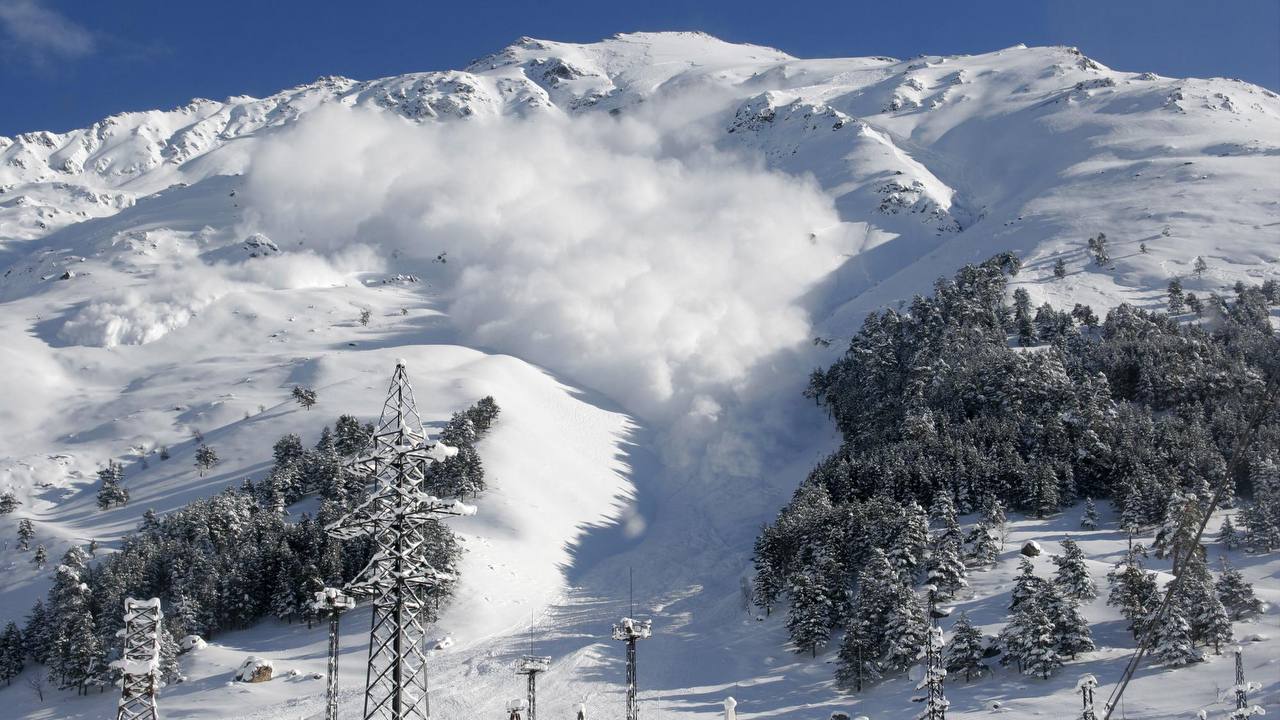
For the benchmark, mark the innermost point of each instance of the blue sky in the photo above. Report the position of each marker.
(66, 63)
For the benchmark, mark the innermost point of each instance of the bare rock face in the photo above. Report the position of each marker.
(1031, 549)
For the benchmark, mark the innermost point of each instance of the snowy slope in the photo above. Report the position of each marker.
(640, 236)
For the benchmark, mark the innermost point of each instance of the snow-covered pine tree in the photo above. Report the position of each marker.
(1027, 586)
(1089, 521)
(1041, 493)
(905, 628)
(1173, 644)
(13, 652)
(1236, 594)
(993, 511)
(1041, 644)
(1131, 513)
(1070, 628)
(483, 414)
(1177, 300)
(304, 396)
(1134, 591)
(76, 654)
(111, 493)
(1229, 536)
(41, 557)
(1059, 268)
(8, 502)
(810, 613)
(1177, 533)
(943, 509)
(965, 652)
(857, 663)
(26, 531)
(206, 458)
(36, 632)
(982, 548)
(1072, 576)
(170, 671)
(350, 436)
(946, 570)
(911, 544)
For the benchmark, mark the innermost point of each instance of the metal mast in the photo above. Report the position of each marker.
(399, 577)
(935, 699)
(629, 631)
(530, 666)
(140, 661)
(1086, 685)
(331, 603)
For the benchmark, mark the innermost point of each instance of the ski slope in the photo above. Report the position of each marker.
(631, 245)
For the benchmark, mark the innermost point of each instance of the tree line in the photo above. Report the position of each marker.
(225, 562)
(971, 400)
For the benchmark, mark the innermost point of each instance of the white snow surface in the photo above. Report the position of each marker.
(630, 245)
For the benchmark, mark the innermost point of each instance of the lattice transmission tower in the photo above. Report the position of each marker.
(399, 577)
(630, 631)
(140, 661)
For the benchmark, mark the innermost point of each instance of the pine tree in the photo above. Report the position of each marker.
(41, 557)
(905, 628)
(1173, 644)
(857, 660)
(1135, 592)
(946, 571)
(170, 671)
(966, 652)
(8, 502)
(13, 653)
(76, 654)
(1201, 266)
(350, 436)
(1059, 268)
(911, 544)
(304, 396)
(1177, 300)
(111, 493)
(1229, 536)
(1041, 645)
(1027, 586)
(1072, 576)
(35, 634)
(1177, 533)
(1195, 304)
(26, 531)
(983, 550)
(206, 458)
(1098, 246)
(483, 414)
(1070, 628)
(1042, 490)
(809, 614)
(1236, 594)
(1089, 521)
(943, 509)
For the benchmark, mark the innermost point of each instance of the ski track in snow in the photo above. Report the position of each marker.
(166, 324)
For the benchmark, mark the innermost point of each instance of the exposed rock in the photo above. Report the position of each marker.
(1031, 548)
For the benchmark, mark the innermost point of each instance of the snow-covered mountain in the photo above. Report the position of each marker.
(631, 245)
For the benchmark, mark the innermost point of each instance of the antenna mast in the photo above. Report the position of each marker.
(140, 661)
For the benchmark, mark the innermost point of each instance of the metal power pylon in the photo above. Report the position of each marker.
(140, 661)
(331, 603)
(630, 631)
(530, 666)
(399, 577)
(935, 698)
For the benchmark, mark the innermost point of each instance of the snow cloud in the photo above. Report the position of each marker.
(636, 261)
(42, 34)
